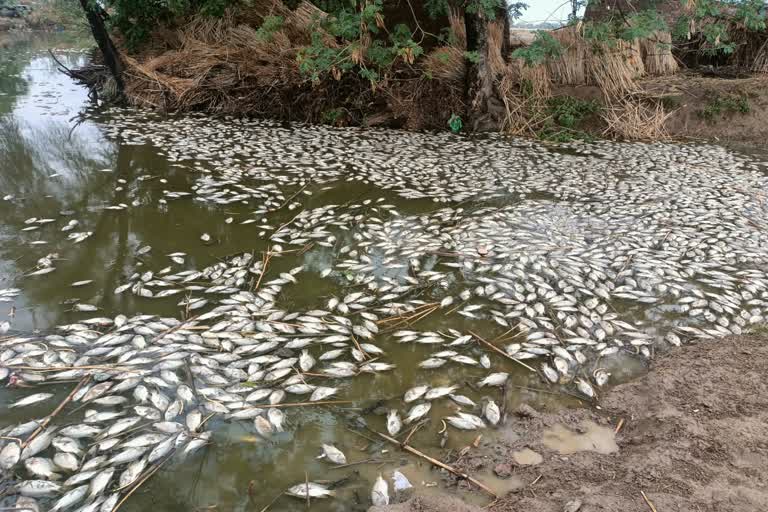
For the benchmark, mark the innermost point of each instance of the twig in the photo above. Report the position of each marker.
(302, 404)
(650, 505)
(501, 352)
(272, 502)
(366, 461)
(266, 257)
(414, 451)
(141, 482)
(56, 411)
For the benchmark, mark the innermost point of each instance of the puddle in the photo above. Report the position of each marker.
(593, 438)
(527, 457)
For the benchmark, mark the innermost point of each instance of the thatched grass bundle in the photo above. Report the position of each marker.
(495, 42)
(612, 70)
(220, 62)
(448, 62)
(657, 54)
(524, 91)
(761, 61)
(634, 118)
(569, 68)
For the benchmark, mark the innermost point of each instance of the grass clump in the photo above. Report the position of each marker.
(565, 118)
(722, 105)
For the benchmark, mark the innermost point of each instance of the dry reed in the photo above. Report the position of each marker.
(448, 62)
(657, 54)
(524, 91)
(760, 65)
(634, 118)
(569, 68)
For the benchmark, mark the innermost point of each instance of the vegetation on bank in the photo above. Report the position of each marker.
(432, 64)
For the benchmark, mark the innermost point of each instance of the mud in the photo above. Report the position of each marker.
(692, 436)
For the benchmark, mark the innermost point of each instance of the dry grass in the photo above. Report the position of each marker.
(220, 62)
(448, 63)
(635, 118)
(495, 41)
(761, 61)
(524, 91)
(612, 70)
(569, 68)
(657, 54)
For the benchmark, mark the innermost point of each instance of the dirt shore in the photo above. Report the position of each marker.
(693, 436)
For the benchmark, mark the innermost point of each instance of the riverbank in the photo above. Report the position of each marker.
(689, 435)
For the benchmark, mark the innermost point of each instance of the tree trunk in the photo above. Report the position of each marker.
(484, 107)
(107, 47)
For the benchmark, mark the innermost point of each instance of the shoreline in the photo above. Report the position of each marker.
(688, 435)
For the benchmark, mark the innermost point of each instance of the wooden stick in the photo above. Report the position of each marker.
(365, 356)
(501, 352)
(650, 505)
(141, 482)
(366, 461)
(618, 427)
(414, 451)
(265, 258)
(302, 404)
(272, 502)
(56, 411)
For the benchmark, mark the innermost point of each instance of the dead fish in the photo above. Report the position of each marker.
(418, 412)
(585, 388)
(492, 413)
(415, 393)
(38, 488)
(311, 489)
(334, 455)
(100, 482)
(380, 492)
(41, 467)
(10, 455)
(494, 379)
(276, 418)
(394, 424)
(32, 399)
(72, 497)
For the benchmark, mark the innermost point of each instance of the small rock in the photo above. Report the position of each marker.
(527, 457)
(503, 470)
(526, 411)
(572, 506)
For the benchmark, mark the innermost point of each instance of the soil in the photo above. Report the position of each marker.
(687, 95)
(692, 436)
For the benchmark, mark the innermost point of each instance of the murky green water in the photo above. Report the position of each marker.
(51, 162)
(57, 164)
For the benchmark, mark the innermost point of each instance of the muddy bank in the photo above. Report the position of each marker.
(723, 110)
(692, 435)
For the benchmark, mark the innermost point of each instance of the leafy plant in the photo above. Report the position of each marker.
(725, 105)
(455, 123)
(269, 26)
(568, 111)
(544, 47)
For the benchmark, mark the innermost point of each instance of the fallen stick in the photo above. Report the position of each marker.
(265, 263)
(56, 411)
(366, 461)
(501, 352)
(436, 462)
(647, 501)
(141, 482)
(272, 502)
(302, 404)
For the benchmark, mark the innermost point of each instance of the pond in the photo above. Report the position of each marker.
(181, 268)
